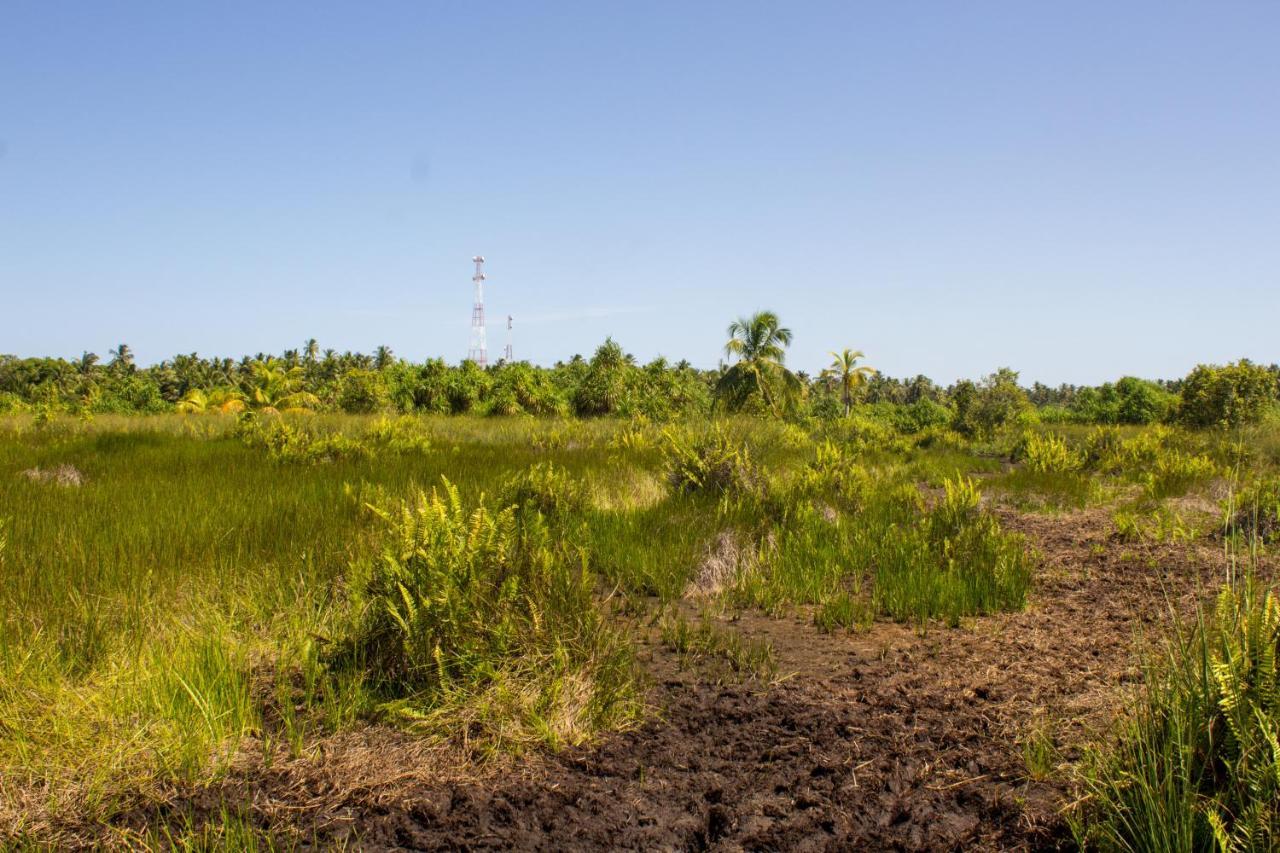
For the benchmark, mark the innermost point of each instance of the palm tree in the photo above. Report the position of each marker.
(87, 361)
(382, 356)
(276, 388)
(848, 374)
(311, 349)
(122, 357)
(225, 400)
(759, 344)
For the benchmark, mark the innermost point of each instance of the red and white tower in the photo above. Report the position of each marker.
(478, 352)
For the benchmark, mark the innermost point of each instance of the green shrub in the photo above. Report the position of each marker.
(983, 408)
(1128, 401)
(402, 435)
(1197, 765)
(464, 599)
(1049, 454)
(286, 443)
(1175, 473)
(1226, 396)
(924, 414)
(362, 392)
(709, 462)
(546, 488)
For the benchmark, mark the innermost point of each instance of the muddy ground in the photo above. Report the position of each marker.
(884, 739)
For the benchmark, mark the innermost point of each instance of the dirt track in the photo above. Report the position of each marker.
(877, 740)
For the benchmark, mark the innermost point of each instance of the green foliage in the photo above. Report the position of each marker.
(362, 392)
(1046, 453)
(921, 416)
(1128, 401)
(1197, 765)
(284, 442)
(521, 389)
(1238, 393)
(1175, 473)
(1255, 512)
(607, 382)
(720, 648)
(709, 461)
(401, 435)
(758, 376)
(982, 409)
(957, 563)
(547, 489)
(465, 599)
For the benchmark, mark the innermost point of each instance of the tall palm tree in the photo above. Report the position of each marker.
(275, 387)
(311, 349)
(759, 344)
(848, 374)
(122, 357)
(382, 356)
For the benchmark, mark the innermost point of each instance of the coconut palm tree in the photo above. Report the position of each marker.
(311, 349)
(122, 357)
(382, 357)
(759, 344)
(225, 400)
(275, 388)
(848, 374)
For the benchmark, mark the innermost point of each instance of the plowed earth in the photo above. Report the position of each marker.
(886, 739)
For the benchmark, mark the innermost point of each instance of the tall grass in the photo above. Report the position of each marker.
(1196, 765)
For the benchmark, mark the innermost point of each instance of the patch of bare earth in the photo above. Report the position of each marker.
(878, 740)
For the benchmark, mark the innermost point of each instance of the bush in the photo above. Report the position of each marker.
(547, 489)
(710, 462)
(1226, 396)
(465, 600)
(984, 408)
(402, 435)
(1196, 766)
(362, 392)
(286, 443)
(1048, 454)
(1128, 401)
(924, 414)
(1175, 473)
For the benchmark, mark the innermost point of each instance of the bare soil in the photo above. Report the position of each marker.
(886, 739)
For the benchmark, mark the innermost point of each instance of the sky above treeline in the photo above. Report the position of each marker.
(1077, 190)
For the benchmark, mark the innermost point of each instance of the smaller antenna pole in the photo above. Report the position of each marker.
(507, 355)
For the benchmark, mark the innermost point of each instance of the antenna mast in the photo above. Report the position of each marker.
(506, 356)
(478, 351)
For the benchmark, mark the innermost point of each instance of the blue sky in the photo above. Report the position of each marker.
(1077, 190)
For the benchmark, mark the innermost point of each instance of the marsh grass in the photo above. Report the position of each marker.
(194, 594)
(1195, 765)
(721, 649)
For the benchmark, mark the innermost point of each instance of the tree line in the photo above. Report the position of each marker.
(752, 378)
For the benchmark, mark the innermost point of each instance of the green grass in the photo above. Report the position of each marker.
(722, 649)
(214, 585)
(1196, 765)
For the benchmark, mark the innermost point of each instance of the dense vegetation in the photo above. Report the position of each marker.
(611, 382)
(325, 546)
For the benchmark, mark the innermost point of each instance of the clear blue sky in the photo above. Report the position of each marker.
(1077, 190)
